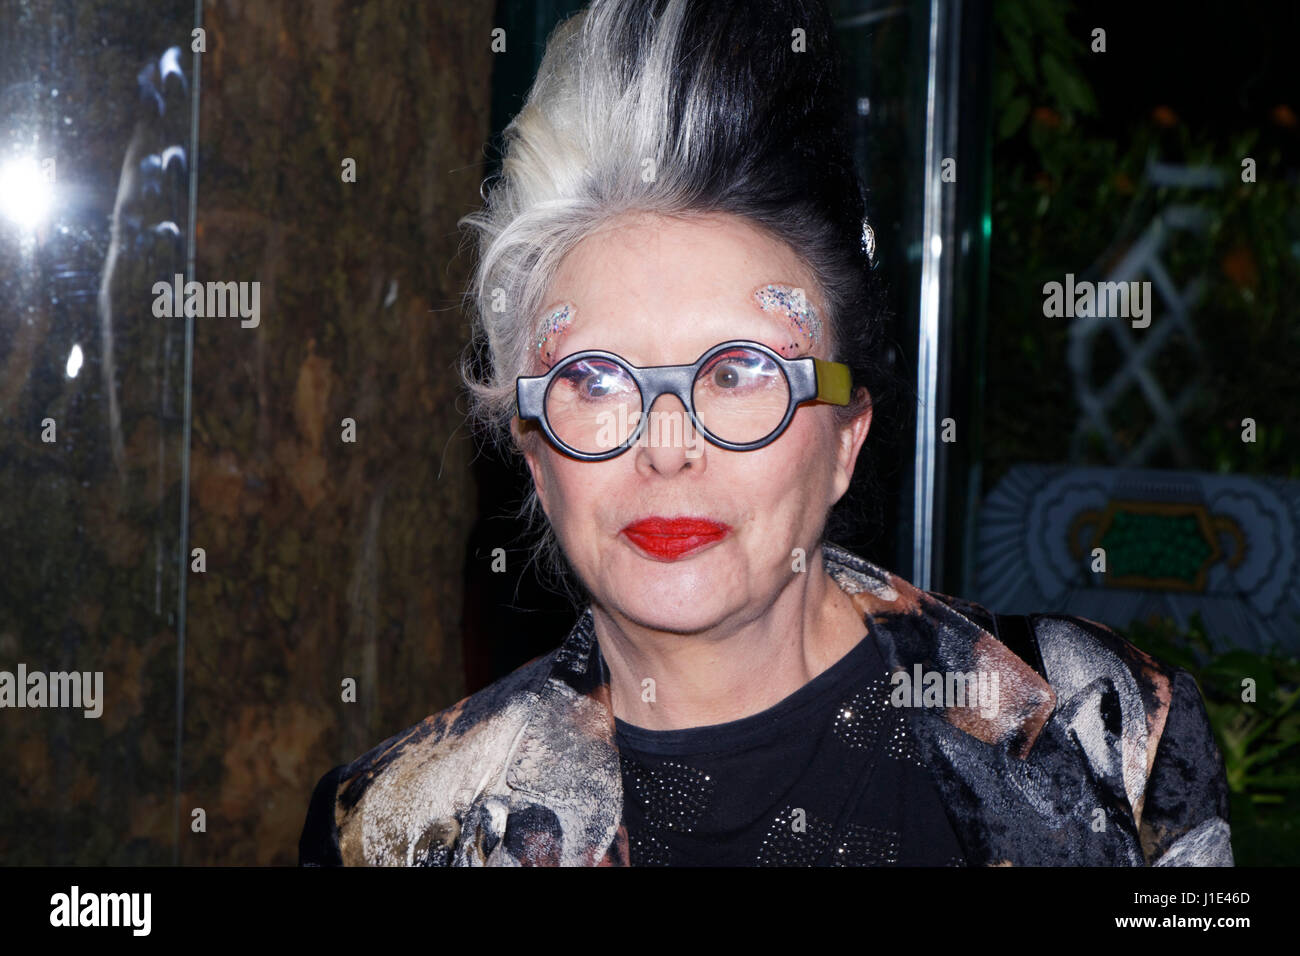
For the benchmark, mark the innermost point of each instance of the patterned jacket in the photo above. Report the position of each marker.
(1111, 763)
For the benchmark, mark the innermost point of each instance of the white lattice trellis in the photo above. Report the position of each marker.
(1171, 312)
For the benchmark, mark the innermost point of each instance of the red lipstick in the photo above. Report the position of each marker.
(671, 538)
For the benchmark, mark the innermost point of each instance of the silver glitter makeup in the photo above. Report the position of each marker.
(795, 307)
(555, 323)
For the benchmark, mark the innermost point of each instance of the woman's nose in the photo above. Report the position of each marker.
(670, 441)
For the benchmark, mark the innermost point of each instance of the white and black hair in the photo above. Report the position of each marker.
(739, 113)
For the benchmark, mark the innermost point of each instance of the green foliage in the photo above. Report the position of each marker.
(1037, 64)
(1259, 739)
(1070, 196)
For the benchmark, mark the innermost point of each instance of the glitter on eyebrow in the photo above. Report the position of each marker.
(794, 305)
(552, 325)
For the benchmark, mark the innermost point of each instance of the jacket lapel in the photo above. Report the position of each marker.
(565, 762)
(918, 634)
(1018, 784)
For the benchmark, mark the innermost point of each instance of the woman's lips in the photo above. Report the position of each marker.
(671, 538)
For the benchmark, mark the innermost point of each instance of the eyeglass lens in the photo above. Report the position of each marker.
(741, 396)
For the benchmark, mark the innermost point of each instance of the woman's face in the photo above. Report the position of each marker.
(662, 291)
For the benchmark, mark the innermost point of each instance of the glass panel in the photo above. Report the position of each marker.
(94, 198)
(1141, 464)
(884, 57)
(916, 103)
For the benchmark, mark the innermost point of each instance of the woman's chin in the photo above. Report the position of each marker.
(682, 596)
(685, 620)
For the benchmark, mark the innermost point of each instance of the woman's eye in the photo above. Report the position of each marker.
(591, 383)
(726, 376)
(580, 380)
(741, 372)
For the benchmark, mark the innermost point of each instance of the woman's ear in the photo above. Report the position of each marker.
(526, 440)
(851, 436)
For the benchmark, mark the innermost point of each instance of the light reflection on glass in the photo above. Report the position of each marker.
(26, 193)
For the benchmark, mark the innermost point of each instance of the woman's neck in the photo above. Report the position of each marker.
(667, 681)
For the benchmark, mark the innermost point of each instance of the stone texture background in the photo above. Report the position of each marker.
(324, 560)
(327, 559)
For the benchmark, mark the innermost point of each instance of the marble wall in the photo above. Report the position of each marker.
(324, 559)
(327, 559)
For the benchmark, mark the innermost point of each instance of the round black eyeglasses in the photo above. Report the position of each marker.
(740, 395)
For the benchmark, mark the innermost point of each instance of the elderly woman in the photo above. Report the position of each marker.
(674, 290)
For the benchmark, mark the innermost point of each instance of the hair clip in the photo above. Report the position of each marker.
(868, 242)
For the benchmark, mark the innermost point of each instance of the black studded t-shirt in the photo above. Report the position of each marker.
(829, 776)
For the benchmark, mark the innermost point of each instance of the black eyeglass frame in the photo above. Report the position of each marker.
(808, 379)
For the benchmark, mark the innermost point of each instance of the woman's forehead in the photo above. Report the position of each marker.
(777, 314)
(706, 254)
(645, 282)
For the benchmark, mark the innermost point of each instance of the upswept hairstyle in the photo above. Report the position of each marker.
(738, 106)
